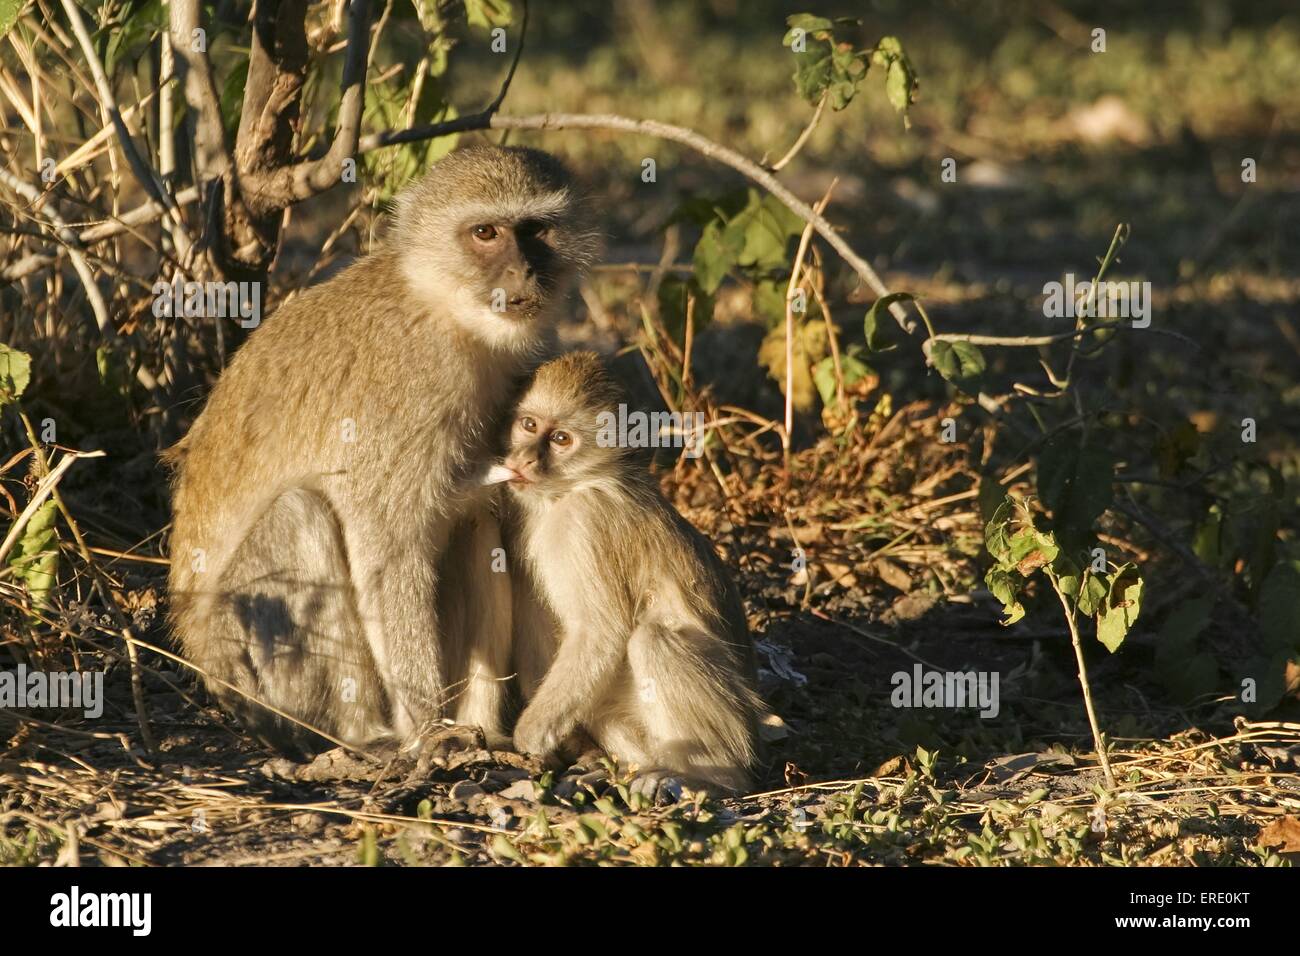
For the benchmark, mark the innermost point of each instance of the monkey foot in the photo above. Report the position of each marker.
(659, 786)
(442, 741)
(329, 766)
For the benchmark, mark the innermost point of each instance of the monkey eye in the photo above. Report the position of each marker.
(563, 439)
(528, 424)
(534, 229)
(484, 232)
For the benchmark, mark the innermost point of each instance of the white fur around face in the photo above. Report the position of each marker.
(500, 331)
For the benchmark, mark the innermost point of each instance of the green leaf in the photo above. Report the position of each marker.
(393, 167)
(1032, 549)
(991, 496)
(809, 23)
(1251, 532)
(900, 77)
(1121, 608)
(1094, 593)
(825, 66)
(1068, 577)
(960, 363)
(129, 38)
(673, 300)
(716, 254)
(745, 230)
(503, 848)
(767, 225)
(1207, 540)
(1074, 483)
(853, 370)
(769, 300)
(34, 559)
(9, 10)
(881, 331)
(996, 532)
(489, 13)
(15, 374)
(1005, 586)
(1279, 607)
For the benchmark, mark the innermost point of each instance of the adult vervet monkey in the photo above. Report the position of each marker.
(651, 652)
(318, 495)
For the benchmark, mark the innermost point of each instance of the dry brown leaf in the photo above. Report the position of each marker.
(1283, 833)
(893, 767)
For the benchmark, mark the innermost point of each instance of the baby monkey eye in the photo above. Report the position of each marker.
(484, 232)
(563, 439)
(528, 424)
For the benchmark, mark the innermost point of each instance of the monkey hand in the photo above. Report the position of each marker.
(539, 733)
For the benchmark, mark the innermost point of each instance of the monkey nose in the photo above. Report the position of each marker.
(525, 472)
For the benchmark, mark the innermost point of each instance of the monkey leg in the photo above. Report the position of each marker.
(680, 710)
(282, 627)
(397, 584)
(474, 610)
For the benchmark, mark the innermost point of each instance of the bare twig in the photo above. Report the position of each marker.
(795, 275)
(72, 242)
(678, 134)
(143, 172)
(211, 157)
(44, 488)
(803, 137)
(1070, 618)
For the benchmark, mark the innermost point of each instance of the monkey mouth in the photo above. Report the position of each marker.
(498, 474)
(523, 306)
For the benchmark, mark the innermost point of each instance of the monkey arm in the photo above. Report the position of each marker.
(588, 661)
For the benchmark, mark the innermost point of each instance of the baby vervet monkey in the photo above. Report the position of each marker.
(331, 548)
(653, 659)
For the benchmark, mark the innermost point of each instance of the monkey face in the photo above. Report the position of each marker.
(559, 438)
(544, 453)
(517, 263)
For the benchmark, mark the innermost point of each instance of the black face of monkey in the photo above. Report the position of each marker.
(518, 266)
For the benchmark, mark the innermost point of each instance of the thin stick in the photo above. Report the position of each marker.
(42, 202)
(146, 175)
(44, 488)
(677, 134)
(795, 275)
(803, 137)
(1097, 741)
(137, 685)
